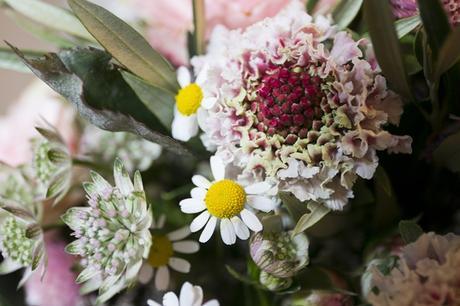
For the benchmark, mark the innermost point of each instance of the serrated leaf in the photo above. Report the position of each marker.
(448, 153)
(158, 101)
(9, 60)
(317, 212)
(87, 79)
(345, 12)
(406, 25)
(379, 19)
(126, 45)
(50, 16)
(410, 231)
(449, 53)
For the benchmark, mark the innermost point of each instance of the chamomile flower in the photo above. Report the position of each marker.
(189, 296)
(225, 200)
(162, 253)
(190, 100)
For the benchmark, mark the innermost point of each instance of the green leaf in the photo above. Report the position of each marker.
(410, 231)
(435, 23)
(295, 208)
(242, 278)
(272, 223)
(126, 45)
(9, 60)
(88, 80)
(199, 26)
(346, 12)
(381, 178)
(311, 4)
(316, 212)
(448, 153)
(50, 16)
(158, 101)
(449, 53)
(406, 25)
(379, 19)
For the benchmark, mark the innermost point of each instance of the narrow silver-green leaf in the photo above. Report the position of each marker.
(449, 53)
(126, 45)
(405, 25)
(9, 60)
(199, 26)
(158, 101)
(317, 212)
(379, 19)
(50, 16)
(345, 12)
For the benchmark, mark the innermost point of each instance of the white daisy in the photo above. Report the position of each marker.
(189, 296)
(225, 200)
(190, 101)
(162, 251)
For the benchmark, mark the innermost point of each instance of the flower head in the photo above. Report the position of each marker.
(322, 298)
(190, 101)
(300, 104)
(162, 255)
(189, 296)
(426, 273)
(274, 283)
(279, 253)
(225, 200)
(112, 234)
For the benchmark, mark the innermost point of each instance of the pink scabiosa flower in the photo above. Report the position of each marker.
(58, 286)
(408, 8)
(169, 21)
(426, 273)
(299, 104)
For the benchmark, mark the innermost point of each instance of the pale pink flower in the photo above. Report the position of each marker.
(408, 8)
(169, 21)
(58, 286)
(17, 127)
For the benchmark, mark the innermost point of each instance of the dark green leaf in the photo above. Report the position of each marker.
(311, 4)
(406, 25)
(379, 19)
(381, 178)
(345, 12)
(449, 53)
(272, 223)
(126, 45)
(448, 153)
(87, 79)
(410, 231)
(317, 212)
(158, 101)
(435, 22)
(295, 208)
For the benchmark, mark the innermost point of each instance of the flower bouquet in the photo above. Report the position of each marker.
(295, 153)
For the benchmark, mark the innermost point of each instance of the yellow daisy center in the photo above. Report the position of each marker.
(225, 199)
(160, 252)
(189, 98)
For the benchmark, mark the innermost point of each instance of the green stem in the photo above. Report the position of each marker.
(50, 227)
(88, 164)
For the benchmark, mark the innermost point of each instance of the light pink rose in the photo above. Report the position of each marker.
(17, 127)
(58, 286)
(169, 21)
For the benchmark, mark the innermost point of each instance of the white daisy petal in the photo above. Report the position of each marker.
(198, 193)
(208, 102)
(190, 295)
(261, 203)
(152, 303)
(179, 234)
(211, 303)
(241, 230)
(201, 181)
(251, 220)
(227, 231)
(202, 117)
(179, 264)
(199, 221)
(162, 278)
(170, 299)
(257, 188)
(217, 168)
(183, 76)
(192, 206)
(184, 127)
(186, 246)
(201, 77)
(208, 230)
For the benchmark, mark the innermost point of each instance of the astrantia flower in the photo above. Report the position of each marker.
(163, 250)
(104, 146)
(280, 254)
(190, 101)
(189, 296)
(225, 200)
(425, 274)
(300, 104)
(274, 283)
(113, 235)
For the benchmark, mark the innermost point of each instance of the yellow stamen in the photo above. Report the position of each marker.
(160, 252)
(225, 199)
(189, 98)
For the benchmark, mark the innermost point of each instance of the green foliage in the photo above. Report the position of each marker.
(346, 11)
(409, 231)
(9, 60)
(449, 54)
(448, 153)
(199, 26)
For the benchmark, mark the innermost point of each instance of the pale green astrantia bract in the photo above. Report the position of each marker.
(112, 233)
